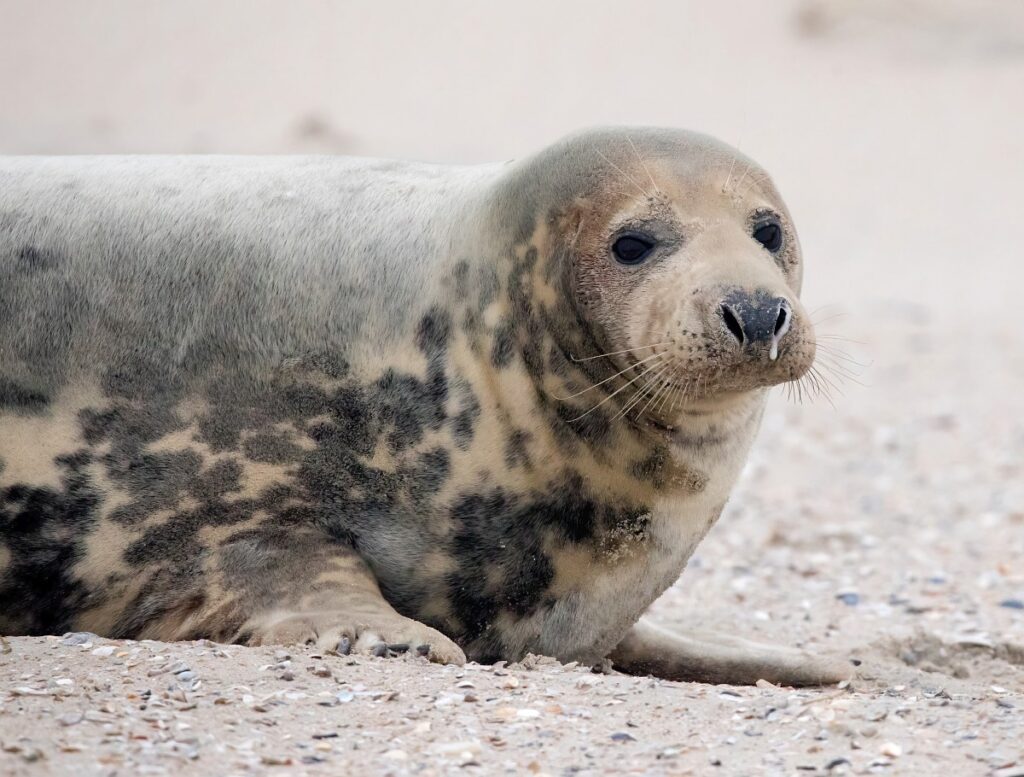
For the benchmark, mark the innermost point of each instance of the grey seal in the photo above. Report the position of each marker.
(471, 411)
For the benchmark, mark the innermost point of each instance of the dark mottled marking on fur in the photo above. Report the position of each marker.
(490, 286)
(143, 379)
(529, 260)
(19, 397)
(44, 530)
(490, 536)
(157, 481)
(503, 348)
(271, 448)
(593, 428)
(36, 259)
(516, 453)
(330, 364)
(461, 275)
(218, 480)
(472, 324)
(503, 531)
(557, 363)
(630, 526)
(529, 328)
(652, 468)
(409, 406)
(353, 424)
(171, 542)
(233, 411)
(465, 421)
(334, 489)
(434, 332)
(427, 476)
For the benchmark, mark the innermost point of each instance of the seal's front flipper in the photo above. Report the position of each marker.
(711, 657)
(300, 586)
(352, 627)
(344, 610)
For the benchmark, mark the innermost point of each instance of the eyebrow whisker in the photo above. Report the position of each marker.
(642, 163)
(623, 173)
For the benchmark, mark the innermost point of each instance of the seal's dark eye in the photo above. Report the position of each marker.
(768, 234)
(632, 249)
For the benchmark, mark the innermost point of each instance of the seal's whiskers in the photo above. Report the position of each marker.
(647, 369)
(611, 377)
(666, 395)
(838, 369)
(839, 339)
(757, 178)
(637, 396)
(642, 393)
(823, 386)
(739, 180)
(652, 398)
(680, 396)
(625, 175)
(616, 353)
(839, 353)
(838, 362)
(642, 163)
(732, 167)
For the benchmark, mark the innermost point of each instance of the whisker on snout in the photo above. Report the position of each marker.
(841, 355)
(617, 353)
(646, 371)
(642, 393)
(609, 378)
(823, 379)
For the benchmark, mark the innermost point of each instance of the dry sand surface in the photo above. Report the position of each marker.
(888, 528)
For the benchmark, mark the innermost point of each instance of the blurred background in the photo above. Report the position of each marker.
(893, 128)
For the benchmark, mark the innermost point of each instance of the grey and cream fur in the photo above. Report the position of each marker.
(358, 401)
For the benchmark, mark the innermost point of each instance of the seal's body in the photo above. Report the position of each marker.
(487, 409)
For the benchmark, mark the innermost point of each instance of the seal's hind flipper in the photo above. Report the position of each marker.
(712, 657)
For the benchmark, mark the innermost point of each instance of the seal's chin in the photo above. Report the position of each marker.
(704, 407)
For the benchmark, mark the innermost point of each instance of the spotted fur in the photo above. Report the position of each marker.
(237, 394)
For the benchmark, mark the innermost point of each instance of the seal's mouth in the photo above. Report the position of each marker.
(666, 385)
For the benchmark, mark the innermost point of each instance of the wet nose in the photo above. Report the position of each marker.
(756, 318)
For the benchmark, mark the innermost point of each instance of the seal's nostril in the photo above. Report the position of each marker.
(733, 323)
(780, 322)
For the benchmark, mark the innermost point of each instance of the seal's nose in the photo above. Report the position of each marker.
(757, 318)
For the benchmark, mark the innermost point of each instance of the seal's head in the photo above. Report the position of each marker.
(682, 260)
